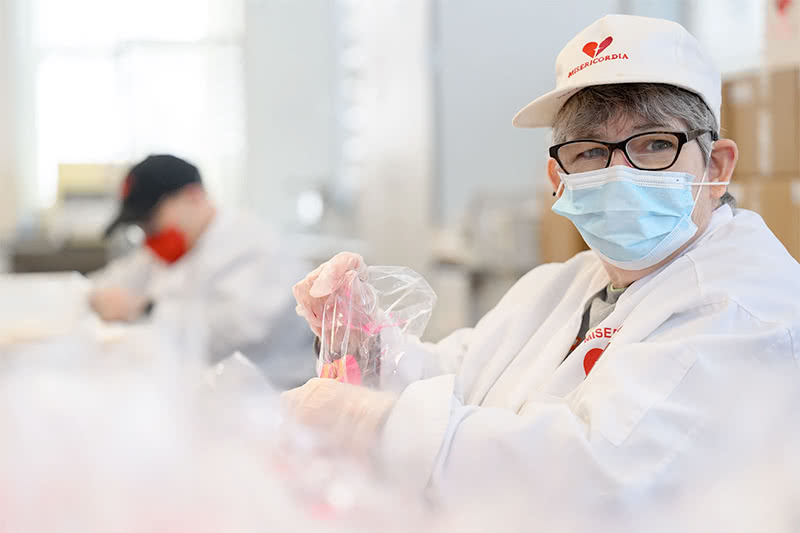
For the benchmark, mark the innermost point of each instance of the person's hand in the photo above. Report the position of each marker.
(353, 415)
(117, 304)
(312, 292)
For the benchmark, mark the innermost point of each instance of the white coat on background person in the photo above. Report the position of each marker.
(219, 279)
(620, 412)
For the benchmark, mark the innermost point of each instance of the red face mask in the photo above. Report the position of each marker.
(169, 244)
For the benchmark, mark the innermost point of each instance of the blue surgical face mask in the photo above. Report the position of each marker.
(631, 218)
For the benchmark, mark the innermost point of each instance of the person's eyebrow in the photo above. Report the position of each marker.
(639, 128)
(653, 126)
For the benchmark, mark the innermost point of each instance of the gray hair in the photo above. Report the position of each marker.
(653, 102)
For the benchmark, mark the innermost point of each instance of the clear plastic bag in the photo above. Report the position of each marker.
(236, 372)
(356, 314)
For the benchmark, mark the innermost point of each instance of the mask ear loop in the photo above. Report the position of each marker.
(703, 181)
(560, 188)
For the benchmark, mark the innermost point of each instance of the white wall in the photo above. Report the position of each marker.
(396, 179)
(17, 160)
(294, 131)
(732, 31)
(493, 59)
(8, 203)
(290, 75)
(676, 10)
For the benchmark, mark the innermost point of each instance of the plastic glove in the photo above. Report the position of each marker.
(117, 304)
(312, 292)
(353, 415)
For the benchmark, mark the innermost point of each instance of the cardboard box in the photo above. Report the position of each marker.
(783, 133)
(761, 112)
(777, 200)
(744, 120)
(90, 179)
(559, 240)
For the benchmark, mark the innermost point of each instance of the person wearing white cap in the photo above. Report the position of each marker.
(598, 375)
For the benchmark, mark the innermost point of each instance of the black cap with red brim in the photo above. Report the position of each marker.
(147, 183)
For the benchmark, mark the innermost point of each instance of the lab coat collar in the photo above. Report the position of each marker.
(212, 233)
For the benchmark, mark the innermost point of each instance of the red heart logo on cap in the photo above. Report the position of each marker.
(592, 49)
(606, 42)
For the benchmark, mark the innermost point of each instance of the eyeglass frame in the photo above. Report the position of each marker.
(683, 138)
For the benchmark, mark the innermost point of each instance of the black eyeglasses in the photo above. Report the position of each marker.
(657, 150)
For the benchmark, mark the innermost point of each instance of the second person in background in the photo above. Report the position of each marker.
(227, 270)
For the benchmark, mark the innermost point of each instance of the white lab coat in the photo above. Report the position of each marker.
(496, 399)
(228, 291)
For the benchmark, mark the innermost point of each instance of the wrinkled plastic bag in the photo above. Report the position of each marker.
(359, 311)
(234, 372)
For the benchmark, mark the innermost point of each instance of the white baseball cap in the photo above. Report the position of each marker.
(627, 49)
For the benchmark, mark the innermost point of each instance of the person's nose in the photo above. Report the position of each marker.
(618, 158)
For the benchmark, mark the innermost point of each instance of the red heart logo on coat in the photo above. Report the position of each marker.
(591, 358)
(592, 49)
